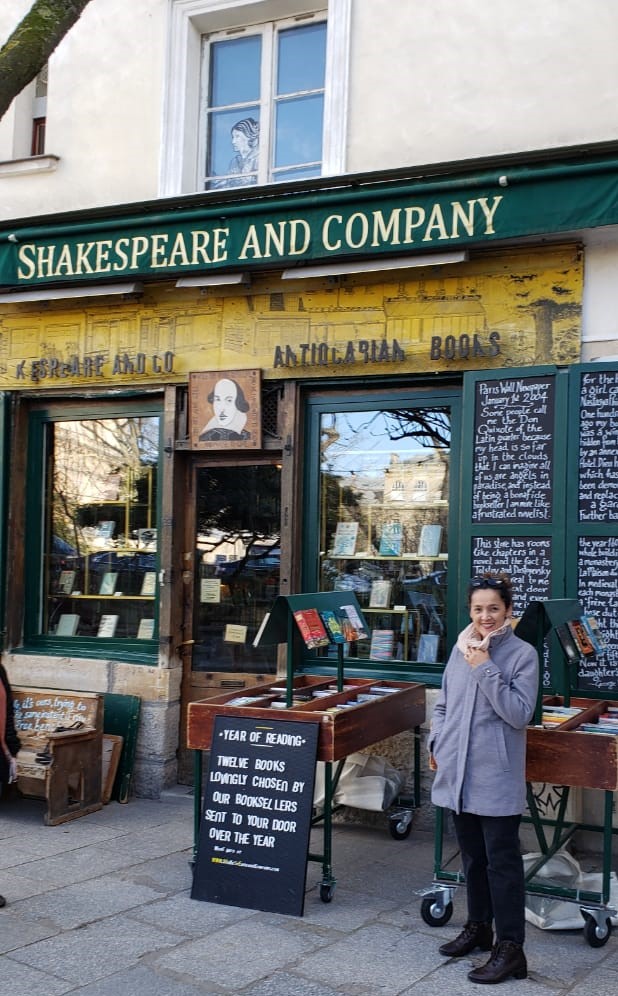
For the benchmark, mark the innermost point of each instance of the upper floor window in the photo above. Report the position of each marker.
(251, 98)
(39, 113)
(264, 104)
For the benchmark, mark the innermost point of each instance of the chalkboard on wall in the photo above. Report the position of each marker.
(258, 800)
(526, 559)
(513, 450)
(597, 557)
(598, 447)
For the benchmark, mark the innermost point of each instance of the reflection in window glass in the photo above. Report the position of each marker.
(384, 488)
(100, 540)
(298, 133)
(238, 557)
(302, 59)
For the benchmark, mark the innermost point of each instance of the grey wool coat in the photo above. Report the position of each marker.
(478, 730)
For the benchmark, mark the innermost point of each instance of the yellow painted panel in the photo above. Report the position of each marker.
(498, 310)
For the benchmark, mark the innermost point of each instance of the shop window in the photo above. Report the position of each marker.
(282, 82)
(384, 528)
(92, 541)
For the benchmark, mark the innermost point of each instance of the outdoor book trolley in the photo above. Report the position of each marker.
(365, 720)
(563, 756)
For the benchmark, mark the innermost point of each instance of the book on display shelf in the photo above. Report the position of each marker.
(352, 624)
(382, 644)
(108, 583)
(430, 541)
(66, 581)
(428, 644)
(594, 633)
(380, 596)
(145, 629)
(311, 628)
(107, 625)
(580, 635)
(391, 540)
(333, 626)
(67, 624)
(344, 544)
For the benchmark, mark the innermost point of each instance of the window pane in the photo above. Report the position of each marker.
(235, 71)
(303, 173)
(384, 526)
(238, 562)
(302, 59)
(298, 131)
(234, 145)
(100, 562)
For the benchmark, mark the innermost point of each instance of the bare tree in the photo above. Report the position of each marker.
(31, 44)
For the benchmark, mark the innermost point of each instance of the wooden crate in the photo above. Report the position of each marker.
(341, 733)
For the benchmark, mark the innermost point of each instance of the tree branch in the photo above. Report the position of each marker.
(31, 44)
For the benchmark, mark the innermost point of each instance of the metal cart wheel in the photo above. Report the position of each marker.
(595, 933)
(435, 914)
(327, 891)
(400, 825)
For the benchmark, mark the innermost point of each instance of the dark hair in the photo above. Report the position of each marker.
(497, 582)
(241, 402)
(250, 128)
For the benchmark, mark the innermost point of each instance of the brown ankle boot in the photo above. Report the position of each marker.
(474, 935)
(507, 958)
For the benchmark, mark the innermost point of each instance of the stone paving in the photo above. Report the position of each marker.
(101, 906)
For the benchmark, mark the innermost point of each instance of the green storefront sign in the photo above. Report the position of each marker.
(266, 229)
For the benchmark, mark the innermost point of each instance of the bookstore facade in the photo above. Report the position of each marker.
(369, 386)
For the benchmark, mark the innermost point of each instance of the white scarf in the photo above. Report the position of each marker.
(470, 638)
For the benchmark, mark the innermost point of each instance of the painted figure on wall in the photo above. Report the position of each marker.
(230, 409)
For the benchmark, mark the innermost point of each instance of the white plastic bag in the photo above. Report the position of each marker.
(563, 871)
(367, 781)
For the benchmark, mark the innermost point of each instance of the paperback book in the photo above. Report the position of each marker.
(428, 648)
(430, 541)
(108, 583)
(67, 624)
(380, 596)
(594, 633)
(382, 644)
(352, 624)
(107, 625)
(311, 628)
(344, 544)
(66, 581)
(580, 635)
(391, 540)
(333, 626)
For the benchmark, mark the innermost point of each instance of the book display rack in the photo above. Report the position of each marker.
(572, 742)
(350, 713)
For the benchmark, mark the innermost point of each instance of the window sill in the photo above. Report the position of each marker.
(33, 164)
(124, 651)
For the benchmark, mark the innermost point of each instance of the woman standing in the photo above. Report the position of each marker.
(478, 751)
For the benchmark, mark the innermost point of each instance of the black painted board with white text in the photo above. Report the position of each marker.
(256, 818)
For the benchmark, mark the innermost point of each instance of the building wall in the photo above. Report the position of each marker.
(428, 83)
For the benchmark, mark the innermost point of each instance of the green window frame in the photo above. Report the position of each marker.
(414, 395)
(39, 534)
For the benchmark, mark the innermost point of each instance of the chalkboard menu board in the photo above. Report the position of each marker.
(526, 559)
(598, 447)
(513, 450)
(258, 801)
(597, 557)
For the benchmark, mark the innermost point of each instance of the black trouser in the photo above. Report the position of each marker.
(494, 871)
